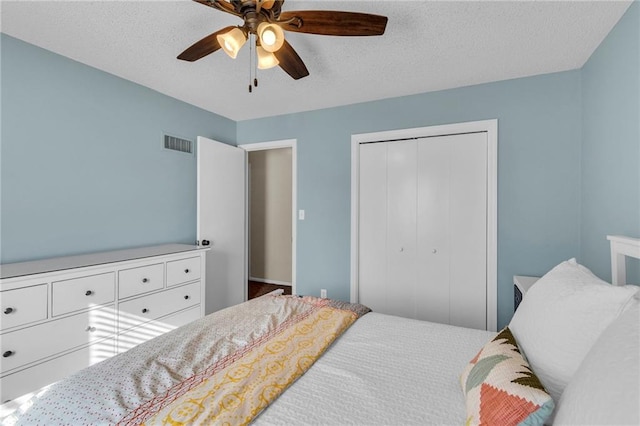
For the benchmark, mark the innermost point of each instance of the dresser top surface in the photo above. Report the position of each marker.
(13, 270)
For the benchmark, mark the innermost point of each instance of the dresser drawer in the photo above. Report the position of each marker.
(154, 328)
(33, 343)
(82, 293)
(143, 309)
(33, 378)
(183, 270)
(140, 280)
(23, 305)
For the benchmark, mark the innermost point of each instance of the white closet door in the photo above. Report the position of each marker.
(372, 226)
(451, 229)
(401, 228)
(468, 230)
(432, 229)
(423, 228)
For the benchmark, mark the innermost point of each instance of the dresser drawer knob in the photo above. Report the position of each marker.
(88, 293)
(186, 271)
(8, 311)
(145, 280)
(186, 297)
(90, 329)
(7, 354)
(145, 310)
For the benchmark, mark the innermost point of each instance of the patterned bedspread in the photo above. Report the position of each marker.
(222, 369)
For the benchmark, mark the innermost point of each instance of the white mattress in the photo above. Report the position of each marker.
(384, 370)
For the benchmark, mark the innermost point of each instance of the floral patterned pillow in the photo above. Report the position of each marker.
(501, 389)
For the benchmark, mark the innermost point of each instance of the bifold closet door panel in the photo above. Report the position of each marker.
(468, 230)
(372, 279)
(401, 228)
(422, 228)
(433, 212)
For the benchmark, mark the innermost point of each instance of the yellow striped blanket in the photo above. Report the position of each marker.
(235, 389)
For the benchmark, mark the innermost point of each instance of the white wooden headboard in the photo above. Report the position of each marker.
(621, 247)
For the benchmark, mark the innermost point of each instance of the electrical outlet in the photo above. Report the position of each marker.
(323, 293)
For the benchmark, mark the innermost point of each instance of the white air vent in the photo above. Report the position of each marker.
(178, 144)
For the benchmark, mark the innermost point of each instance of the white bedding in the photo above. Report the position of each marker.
(382, 370)
(363, 380)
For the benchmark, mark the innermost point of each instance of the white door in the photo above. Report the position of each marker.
(432, 229)
(372, 291)
(221, 221)
(452, 229)
(401, 228)
(423, 228)
(468, 230)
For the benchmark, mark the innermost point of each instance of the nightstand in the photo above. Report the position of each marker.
(521, 284)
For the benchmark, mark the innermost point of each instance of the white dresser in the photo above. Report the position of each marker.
(60, 315)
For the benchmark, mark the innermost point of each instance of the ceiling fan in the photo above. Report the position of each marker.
(266, 21)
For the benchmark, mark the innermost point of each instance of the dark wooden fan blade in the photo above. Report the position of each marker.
(329, 22)
(222, 5)
(202, 48)
(290, 62)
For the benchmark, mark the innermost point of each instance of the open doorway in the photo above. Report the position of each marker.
(271, 217)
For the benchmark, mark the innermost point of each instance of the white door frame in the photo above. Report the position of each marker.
(261, 146)
(488, 126)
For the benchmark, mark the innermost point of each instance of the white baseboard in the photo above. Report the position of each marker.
(266, 281)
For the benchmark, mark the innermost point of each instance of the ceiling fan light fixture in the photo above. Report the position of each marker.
(265, 20)
(266, 59)
(232, 41)
(271, 36)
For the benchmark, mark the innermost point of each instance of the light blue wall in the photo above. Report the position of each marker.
(539, 122)
(611, 144)
(82, 167)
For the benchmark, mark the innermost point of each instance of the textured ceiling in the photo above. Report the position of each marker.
(428, 46)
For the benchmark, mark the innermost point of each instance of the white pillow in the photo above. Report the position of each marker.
(560, 318)
(606, 387)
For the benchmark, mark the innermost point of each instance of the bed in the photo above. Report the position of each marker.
(304, 360)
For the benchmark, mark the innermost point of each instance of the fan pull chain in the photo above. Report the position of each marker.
(255, 61)
(255, 64)
(250, 60)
